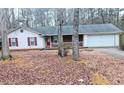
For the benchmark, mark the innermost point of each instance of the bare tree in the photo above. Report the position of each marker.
(48, 17)
(117, 16)
(25, 17)
(4, 29)
(92, 11)
(101, 11)
(13, 23)
(75, 38)
(60, 37)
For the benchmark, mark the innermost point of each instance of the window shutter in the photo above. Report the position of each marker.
(16, 41)
(35, 41)
(28, 41)
(9, 41)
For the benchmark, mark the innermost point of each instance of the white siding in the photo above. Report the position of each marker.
(116, 40)
(85, 40)
(22, 39)
(101, 40)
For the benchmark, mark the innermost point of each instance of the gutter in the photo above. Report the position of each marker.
(104, 33)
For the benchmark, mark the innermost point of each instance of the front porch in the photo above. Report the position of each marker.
(52, 41)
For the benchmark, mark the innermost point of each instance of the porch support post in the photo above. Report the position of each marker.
(50, 42)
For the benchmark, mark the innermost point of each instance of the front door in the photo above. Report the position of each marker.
(48, 42)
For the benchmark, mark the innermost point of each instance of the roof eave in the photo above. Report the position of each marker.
(104, 33)
(97, 33)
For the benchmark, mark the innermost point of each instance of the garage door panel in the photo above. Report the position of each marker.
(100, 40)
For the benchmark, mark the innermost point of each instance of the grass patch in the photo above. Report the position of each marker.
(98, 79)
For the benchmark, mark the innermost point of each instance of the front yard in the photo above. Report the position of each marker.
(46, 67)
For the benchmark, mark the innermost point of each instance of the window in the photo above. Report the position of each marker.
(13, 42)
(32, 41)
(21, 30)
(55, 39)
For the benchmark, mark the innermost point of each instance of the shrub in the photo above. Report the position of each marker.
(67, 46)
(122, 41)
(66, 49)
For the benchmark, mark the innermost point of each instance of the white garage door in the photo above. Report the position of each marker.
(101, 40)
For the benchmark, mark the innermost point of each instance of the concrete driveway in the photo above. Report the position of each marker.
(115, 52)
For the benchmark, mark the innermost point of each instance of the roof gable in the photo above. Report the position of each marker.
(24, 28)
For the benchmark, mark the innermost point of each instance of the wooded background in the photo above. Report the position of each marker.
(35, 17)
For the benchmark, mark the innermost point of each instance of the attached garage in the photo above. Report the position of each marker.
(111, 40)
(91, 35)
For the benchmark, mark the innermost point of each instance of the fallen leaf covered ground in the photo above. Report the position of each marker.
(46, 67)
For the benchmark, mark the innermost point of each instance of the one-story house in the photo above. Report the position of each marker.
(93, 35)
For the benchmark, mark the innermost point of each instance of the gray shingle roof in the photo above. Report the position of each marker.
(83, 29)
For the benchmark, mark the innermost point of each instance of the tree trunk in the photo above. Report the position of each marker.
(75, 38)
(60, 45)
(13, 19)
(5, 47)
(118, 10)
(27, 23)
(60, 37)
(102, 15)
(110, 16)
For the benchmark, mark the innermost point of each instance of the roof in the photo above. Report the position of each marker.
(83, 29)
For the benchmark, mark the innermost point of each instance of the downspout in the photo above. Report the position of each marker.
(50, 42)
